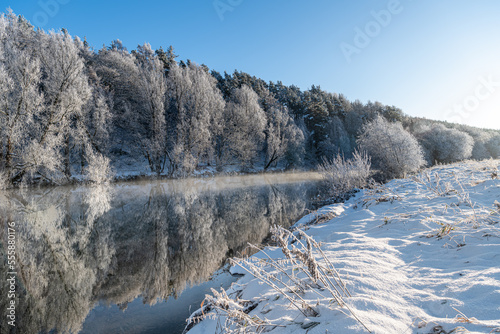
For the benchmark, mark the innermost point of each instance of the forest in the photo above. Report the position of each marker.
(71, 113)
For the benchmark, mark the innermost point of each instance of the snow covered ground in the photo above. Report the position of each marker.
(418, 255)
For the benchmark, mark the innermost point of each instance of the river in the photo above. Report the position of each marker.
(135, 257)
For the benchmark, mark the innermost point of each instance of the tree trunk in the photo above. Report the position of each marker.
(271, 160)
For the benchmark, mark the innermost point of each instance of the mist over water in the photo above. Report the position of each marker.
(110, 258)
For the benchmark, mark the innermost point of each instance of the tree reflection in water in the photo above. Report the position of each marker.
(80, 246)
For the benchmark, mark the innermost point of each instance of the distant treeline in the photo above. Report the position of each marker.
(69, 112)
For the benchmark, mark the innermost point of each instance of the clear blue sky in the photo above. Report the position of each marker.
(436, 59)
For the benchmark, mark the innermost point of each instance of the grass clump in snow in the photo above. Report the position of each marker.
(433, 183)
(305, 271)
(458, 186)
(230, 314)
(378, 193)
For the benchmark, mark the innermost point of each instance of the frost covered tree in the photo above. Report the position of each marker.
(316, 115)
(47, 120)
(117, 70)
(393, 149)
(21, 102)
(196, 107)
(66, 109)
(296, 149)
(167, 57)
(66, 92)
(480, 145)
(138, 85)
(444, 145)
(337, 139)
(153, 88)
(40, 96)
(92, 132)
(245, 125)
(282, 135)
(93, 124)
(98, 168)
(482, 140)
(493, 146)
(118, 73)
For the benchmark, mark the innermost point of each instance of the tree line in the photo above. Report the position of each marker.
(70, 112)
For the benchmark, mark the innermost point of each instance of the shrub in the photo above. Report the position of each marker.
(480, 148)
(444, 145)
(342, 176)
(98, 169)
(493, 146)
(392, 149)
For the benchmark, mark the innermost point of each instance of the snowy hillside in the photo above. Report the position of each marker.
(418, 255)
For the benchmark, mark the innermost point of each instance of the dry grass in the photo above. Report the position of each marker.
(462, 318)
(343, 176)
(319, 217)
(231, 315)
(306, 268)
(433, 183)
(471, 214)
(378, 193)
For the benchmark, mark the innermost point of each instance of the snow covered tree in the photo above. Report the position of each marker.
(93, 126)
(44, 89)
(282, 135)
(337, 140)
(66, 92)
(493, 146)
(117, 45)
(153, 88)
(316, 116)
(480, 147)
(245, 125)
(296, 146)
(481, 138)
(93, 123)
(444, 145)
(118, 73)
(20, 104)
(167, 57)
(392, 149)
(196, 106)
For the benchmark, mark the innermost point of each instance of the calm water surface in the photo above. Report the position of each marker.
(135, 257)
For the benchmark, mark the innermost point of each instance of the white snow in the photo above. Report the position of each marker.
(333, 210)
(414, 254)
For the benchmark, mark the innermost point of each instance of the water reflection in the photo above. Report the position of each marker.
(80, 246)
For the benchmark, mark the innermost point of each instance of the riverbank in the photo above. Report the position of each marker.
(418, 255)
